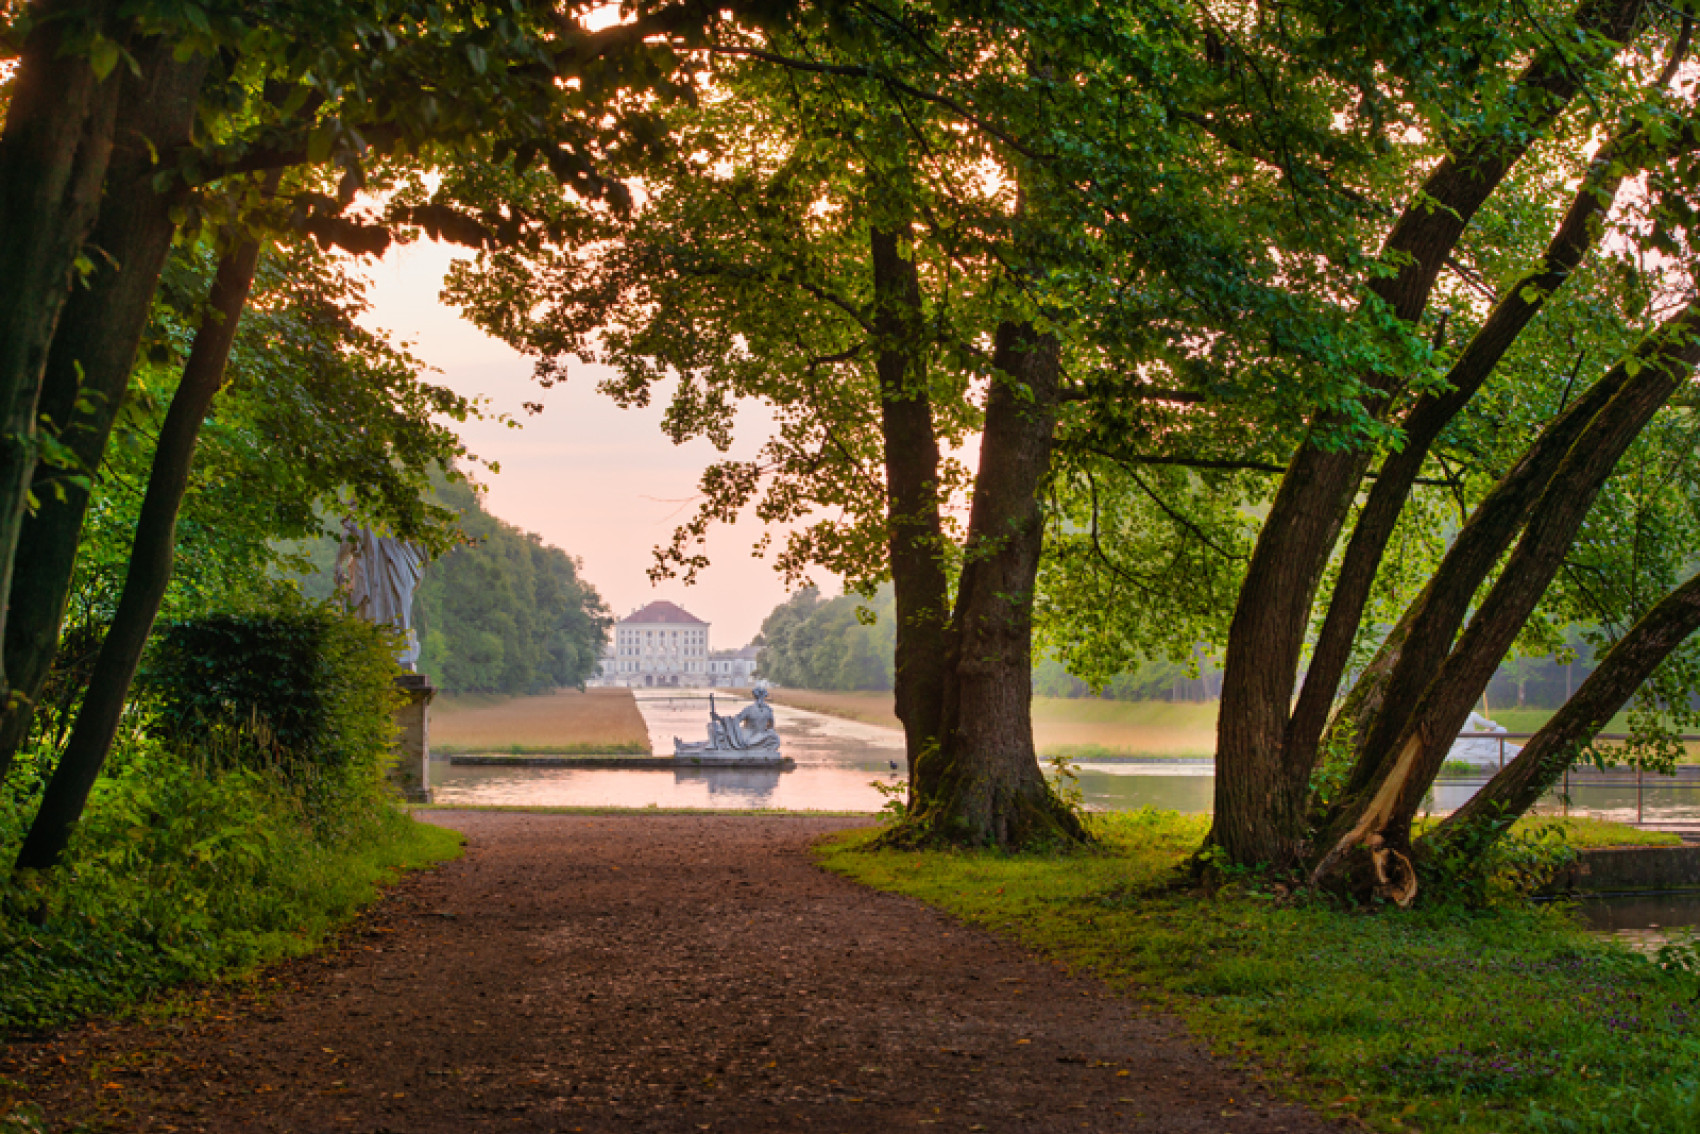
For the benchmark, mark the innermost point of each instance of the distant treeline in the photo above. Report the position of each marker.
(504, 612)
(1152, 681)
(813, 643)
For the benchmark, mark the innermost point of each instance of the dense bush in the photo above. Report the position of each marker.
(243, 812)
(298, 692)
(178, 875)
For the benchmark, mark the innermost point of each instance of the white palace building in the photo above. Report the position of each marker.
(664, 644)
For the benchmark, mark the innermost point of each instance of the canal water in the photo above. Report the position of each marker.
(838, 762)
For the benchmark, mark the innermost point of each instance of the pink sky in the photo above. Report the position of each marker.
(600, 482)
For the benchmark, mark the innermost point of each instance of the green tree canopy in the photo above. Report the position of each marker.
(847, 642)
(505, 612)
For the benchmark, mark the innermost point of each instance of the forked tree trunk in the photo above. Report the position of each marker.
(54, 151)
(1367, 846)
(915, 533)
(1379, 517)
(1262, 781)
(151, 557)
(982, 785)
(89, 364)
(1518, 786)
(1383, 697)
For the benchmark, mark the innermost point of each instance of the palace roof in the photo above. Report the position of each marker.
(663, 612)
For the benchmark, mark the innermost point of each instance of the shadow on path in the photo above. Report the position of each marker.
(651, 973)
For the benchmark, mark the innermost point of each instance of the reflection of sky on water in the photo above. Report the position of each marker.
(836, 760)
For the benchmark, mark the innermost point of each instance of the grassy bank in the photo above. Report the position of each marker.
(1439, 1020)
(566, 722)
(190, 881)
(540, 749)
(869, 708)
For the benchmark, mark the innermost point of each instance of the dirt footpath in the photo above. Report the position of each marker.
(650, 973)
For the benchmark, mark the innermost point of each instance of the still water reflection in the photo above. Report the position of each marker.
(837, 761)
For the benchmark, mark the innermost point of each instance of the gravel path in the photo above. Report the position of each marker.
(650, 973)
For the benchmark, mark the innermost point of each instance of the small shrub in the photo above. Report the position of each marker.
(896, 794)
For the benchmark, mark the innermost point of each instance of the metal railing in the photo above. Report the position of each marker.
(1683, 776)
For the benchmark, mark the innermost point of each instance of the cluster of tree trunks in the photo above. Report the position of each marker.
(1398, 721)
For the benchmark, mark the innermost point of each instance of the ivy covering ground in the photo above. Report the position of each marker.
(1446, 1019)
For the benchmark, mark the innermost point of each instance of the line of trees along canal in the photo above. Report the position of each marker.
(498, 611)
(1343, 341)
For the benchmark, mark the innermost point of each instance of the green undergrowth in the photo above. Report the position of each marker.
(1444, 1019)
(181, 878)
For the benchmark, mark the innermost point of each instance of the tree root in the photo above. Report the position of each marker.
(1023, 824)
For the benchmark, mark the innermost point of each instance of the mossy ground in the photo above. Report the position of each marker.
(1445, 1019)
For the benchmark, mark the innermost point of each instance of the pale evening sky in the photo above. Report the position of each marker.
(600, 482)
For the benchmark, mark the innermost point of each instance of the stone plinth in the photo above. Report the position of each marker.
(410, 771)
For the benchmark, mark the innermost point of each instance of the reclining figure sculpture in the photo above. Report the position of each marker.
(750, 731)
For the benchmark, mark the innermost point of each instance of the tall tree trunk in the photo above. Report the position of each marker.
(1367, 845)
(982, 785)
(53, 157)
(1384, 695)
(1520, 784)
(915, 531)
(1576, 235)
(1261, 783)
(89, 363)
(149, 572)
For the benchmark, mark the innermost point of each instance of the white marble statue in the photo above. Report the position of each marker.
(378, 575)
(1483, 751)
(749, 733)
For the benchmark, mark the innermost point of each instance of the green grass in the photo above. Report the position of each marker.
(1582, 833)
(1436, 1020)
(1531, 720)
(1089, 752)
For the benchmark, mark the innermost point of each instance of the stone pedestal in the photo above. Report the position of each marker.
(410, 772)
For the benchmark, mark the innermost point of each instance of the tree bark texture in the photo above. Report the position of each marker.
(1520, 784)
(1576, 235)
(1380, 702)
(983, 786)
(915, 532)
(1376, 817)
(150, 566)
(1261, 783)
(89, 363)
(53, 157)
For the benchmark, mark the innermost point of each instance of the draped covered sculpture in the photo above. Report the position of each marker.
(377, 576)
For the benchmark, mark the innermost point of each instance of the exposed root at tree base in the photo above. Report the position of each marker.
(1027, 824)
